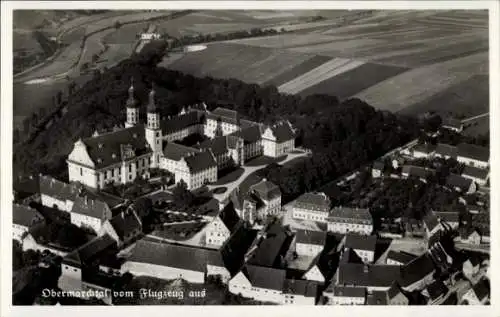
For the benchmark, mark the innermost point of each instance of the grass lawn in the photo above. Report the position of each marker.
(231, 176)
(265, 160)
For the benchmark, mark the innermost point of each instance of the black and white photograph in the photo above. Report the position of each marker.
(168, 156)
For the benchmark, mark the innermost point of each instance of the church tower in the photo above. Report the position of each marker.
(132, 107)
(153, 131)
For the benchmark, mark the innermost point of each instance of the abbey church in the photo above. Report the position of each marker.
(124, 154)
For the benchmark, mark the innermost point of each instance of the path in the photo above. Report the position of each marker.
(476, 117)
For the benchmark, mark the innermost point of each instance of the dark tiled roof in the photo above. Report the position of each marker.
(236, 247)
(229, 217)
(436, 289)
(454, 180)
(181, 122)
(25, 216)
(474, 152)
(378, 165)
(350, 256)
(272, 248)
(174, 255)
(446, 150)
(110, 200)
(314, 201)
(300, 287)
(482, 289)
(377, 298)
(424, 148)
(99, 279)
(394, 290)
(282, 132)
(416, 270)
(310, 237)
(418, 171)
(475, 172)
(57, 189)
(200, 161)
(90, 251)
(90, 207)
(125, 223)
(226, 115)
(266, 190)
(349, 291)
(452, 122)
(359, 242)
(364, 275)
(431, 221)
(401, 257)
(448, 216)
(350, 215)
(176, 152)
(265, 277)
(220, 145)
(249, 135)
(110, 148)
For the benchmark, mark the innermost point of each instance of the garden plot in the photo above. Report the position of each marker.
(329, 69)
(297, 70)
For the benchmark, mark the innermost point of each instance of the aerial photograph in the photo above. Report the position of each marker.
(250, 157)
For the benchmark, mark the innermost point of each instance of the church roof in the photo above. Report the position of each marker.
(176, 152)
(181, 122)
(282, 132)
(198, 162)
(54, 188)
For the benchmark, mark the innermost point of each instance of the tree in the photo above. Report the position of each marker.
(143, 206)
(182, 197)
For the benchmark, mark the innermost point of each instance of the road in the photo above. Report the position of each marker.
(476, 117)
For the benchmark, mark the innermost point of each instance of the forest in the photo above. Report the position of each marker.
(343, 135)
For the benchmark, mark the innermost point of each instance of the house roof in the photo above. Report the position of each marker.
(418, 171)
(54, 188)
(394, 290)
(220, 145)
(482, 289)
(266, 190)
(416, 270)
(274, 245)
(226, 115)
(114, 147)
(475, 172)
(175, 151)
(229, 217)
(474, 152)
(181, 122)
(249, 135)
(310, 237)
(175, 255)
(350, 256)
(282, 132)
(446, 150)
(300, 287)
(90, 206)
(90, 251)
(378, 165)
(425, 148)
(474, 260)
(125, 223)
(25, 216)
(365, 275)
(401, 257)
(436, 289)
(349, 291)
(454, 180)
(200, 161)
(377, 298)
(265, 277)
(448, 216)
(236, 247)
(350, 215)
(431, 221)
(313, 201)
(452, 122)
(360, 242)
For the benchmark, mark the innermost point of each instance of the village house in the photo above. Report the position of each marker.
(453, 125)
(270, 285)
(371, 277)
(478, 294)
(345, 219)
(478, 175)
(348, 295)
(315, 272)
(469, 235)
(418, 172)
(417, 274)
(399, 258)
(124, 228)
(222, 121)
(25, 219)
(473, 155)
(423, 151)
(197, 169)
(252, 141)
(378, 169)
(278, 139)
(363, 245)
(271, 247)
(471, 267)
(446, 151)
(90, 212)
(57, 194)
(392, 296)
(431, 224)
(312, 206)
(224, 224)
(309, 243)
(448, 219)
(262, 200)
(156, 258)
(460, 184)
(435, 292)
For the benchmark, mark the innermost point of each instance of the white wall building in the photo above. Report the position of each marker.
(363, 245)
(344, 220)
(57, 194)
(25, 219)
(197, 169)
(473, 155)
(279, 139)
(345, 295)
(309, 243)
(90, 213)
(312, 206)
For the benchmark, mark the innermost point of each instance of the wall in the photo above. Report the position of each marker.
(308, 249)
(86, 221)
(163, 272)
(472, 162)
(348, 227)
(306, 214)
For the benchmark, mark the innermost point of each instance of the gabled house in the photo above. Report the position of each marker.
(278, 139)
(460, 184)
(172, 155)
(271, 247)
(473, 155)
(348, 295)
(417, 274)
(263, 199)
(344, 220)
(478, 175)
(222, 226)
(124, 227)
(471, 267)
(478, 294)
(399, 257)
(197, 169)
(418, 172)
(446, 151)
(57, 194)
(423, 150)
(309, 243)
(90, 212)
(364, 246)
(312, 206)
(448, 219)
(25, 219)
(378, 169)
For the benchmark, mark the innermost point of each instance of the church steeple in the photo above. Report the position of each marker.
(153, 114)
(152, 104)
(132, 107)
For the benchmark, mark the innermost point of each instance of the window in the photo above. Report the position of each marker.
(81, 171)
(113, 172)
